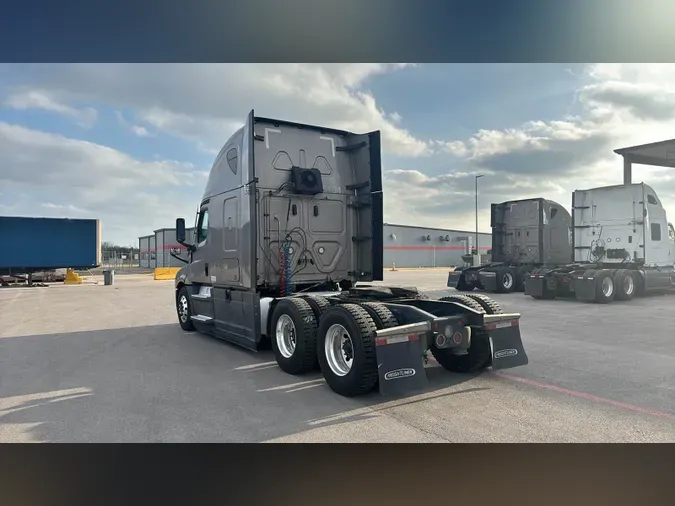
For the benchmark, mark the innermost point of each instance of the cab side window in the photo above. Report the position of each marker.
(656, 231)
(203, 226)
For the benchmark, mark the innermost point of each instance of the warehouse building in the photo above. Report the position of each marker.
(146, 249)
(409, 246)
(404, 246)
(155, 250)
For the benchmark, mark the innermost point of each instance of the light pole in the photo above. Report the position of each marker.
(476, 180)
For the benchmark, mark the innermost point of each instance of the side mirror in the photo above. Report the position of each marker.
(180, 230)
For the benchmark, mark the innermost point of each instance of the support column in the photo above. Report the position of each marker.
(627, 171)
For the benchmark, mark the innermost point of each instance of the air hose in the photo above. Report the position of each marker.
(285, 273)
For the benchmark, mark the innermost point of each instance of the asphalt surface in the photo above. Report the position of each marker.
(94, 363)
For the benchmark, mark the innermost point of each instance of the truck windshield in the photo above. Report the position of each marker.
(671, 232)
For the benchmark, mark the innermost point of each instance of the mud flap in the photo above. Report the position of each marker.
(583, 285)
(488, 281)
(400, 362)
(507, 346)
(535, 285)
(453, 278)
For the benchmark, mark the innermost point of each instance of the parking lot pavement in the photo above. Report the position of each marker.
(94, 363)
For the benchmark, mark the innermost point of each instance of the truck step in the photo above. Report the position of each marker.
(202, 296)
(202, 319)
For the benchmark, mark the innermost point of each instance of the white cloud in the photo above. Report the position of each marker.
(75, 178)
(618, 105)
(205, 103)
(33, 99)
(622, 105)
(137, 130)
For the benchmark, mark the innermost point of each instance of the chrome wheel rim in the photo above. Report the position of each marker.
(628, 285)
(183, 308)
(507, 280)
(339, 350)
(607, 287)
(286, 336)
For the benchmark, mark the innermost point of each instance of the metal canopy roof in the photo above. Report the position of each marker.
(659, 154)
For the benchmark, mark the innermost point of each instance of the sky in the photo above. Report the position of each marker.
(132, 144)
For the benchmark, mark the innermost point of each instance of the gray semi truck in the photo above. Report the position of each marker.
(623, 246)
(289, 235)
(526, 234)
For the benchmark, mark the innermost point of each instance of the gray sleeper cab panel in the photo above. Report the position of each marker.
(249, 207)
(531, 231)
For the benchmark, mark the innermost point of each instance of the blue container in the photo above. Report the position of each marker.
(30, 244)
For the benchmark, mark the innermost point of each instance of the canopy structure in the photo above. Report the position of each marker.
(659, 154)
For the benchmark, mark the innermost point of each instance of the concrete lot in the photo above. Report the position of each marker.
(94, 363)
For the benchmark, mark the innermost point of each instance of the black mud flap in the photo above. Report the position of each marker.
(400, 360)
(507, 346)
(488, 281)
(453, 278)
(535, 285)
(583, 285)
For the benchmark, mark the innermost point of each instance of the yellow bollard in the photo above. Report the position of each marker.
(72, 278)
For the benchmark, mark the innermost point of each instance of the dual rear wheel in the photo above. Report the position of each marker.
(341, 339)
(619, 285)
(309, 331)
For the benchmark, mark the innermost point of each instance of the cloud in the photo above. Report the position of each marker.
(427, 182)
(206, 103)
(74, 178)
(137, 130)
(33, 99)
(621, 105)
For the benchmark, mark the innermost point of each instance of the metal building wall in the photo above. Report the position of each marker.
(410, 246)
(153, 252)
(144, 251)
(159, 248)
(166, 241)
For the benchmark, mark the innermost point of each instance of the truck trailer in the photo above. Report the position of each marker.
(289, 237)
(526, 234)
(623, 246)
(45, 244)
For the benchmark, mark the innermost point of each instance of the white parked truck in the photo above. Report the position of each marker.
(289, 229)
(623, 245)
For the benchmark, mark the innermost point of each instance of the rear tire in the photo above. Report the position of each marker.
(346, 350)
(506, 280)
(625, 284)
(489, 305)
(465, 300)
(605, 289)
(293, 335)
(318, 304)
(184, 310)
(381, 315)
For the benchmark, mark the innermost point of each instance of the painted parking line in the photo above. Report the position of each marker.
(584, 395)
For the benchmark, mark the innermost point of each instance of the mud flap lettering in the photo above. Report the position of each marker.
(400, 364)
(507, 345)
